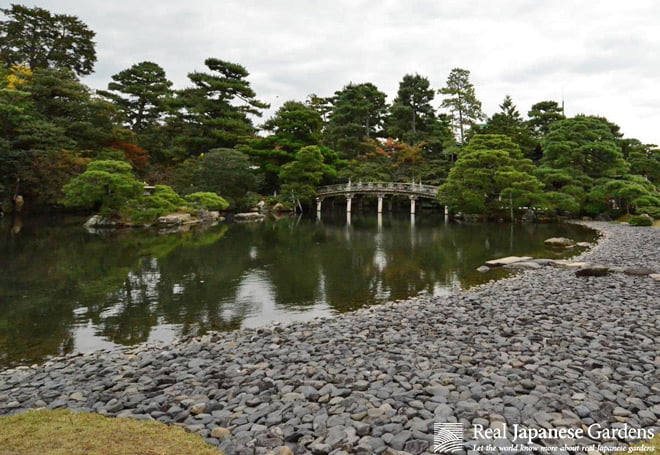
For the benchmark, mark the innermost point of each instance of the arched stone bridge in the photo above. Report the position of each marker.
(378, 189)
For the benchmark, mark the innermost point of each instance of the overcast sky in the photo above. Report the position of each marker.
(603, 56)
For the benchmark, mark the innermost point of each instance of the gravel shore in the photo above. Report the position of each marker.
(545, 349)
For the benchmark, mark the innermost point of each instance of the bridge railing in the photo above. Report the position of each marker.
(386, 187)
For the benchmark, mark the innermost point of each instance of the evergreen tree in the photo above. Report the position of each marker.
(358, 114)
(621, 195)
(223, 171)
(510, 123)
(301, 177)
(586, 146)
(141, 93)
(41, 39)
(644, 159)
(213, 113)
(490, 175)
(462, 102)
(322, 105)
(47, 119)
(542, 115)
(105, 186)
(295, 125)
(412, 118)
(576, 153)
(61, 98)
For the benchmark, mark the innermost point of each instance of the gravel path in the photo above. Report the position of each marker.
(542, 350)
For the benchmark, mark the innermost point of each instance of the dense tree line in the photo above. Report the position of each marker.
(203, 138)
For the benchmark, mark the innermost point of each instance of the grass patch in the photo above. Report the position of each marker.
(63, 432)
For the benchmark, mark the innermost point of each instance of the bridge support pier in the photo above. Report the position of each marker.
(319, 201)
(412, 204)
(349, 200)
(380, 203)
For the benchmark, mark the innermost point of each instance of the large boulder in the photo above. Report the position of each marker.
(559, 242)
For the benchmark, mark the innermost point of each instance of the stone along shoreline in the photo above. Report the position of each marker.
(542, 350)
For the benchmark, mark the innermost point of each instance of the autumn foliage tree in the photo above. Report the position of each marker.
(138, 157)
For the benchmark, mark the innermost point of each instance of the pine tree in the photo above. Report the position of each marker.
(462, 102)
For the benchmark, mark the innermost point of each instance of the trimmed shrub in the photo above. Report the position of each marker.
(207, 200)
(640, 221)
(146, 209)
(653, 212)
(106, 185)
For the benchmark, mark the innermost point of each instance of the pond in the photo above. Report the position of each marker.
(65, 290)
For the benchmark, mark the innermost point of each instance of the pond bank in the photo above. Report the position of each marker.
(544, 349)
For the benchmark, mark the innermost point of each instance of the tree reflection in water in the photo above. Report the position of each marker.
(57, 281)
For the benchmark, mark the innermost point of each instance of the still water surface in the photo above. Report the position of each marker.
(65, 290)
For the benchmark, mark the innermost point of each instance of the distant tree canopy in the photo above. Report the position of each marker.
(206, 138)
(41, 39)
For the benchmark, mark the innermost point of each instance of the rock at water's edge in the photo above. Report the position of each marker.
(249, 216)
(507, 260)
(100, 221)
(559, 242)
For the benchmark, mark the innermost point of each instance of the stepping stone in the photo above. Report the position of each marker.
(524, 265)
(507, 260)
(562, 263)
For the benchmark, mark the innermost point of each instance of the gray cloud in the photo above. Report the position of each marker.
(602, 56)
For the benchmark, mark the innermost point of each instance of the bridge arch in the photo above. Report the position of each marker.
(413, 191)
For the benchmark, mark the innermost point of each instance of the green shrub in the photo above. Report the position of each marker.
(167, 193)
(207, 200)
(640, 221)
(651, 211)
(146, 209)
(247, 202)
(106, 185)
